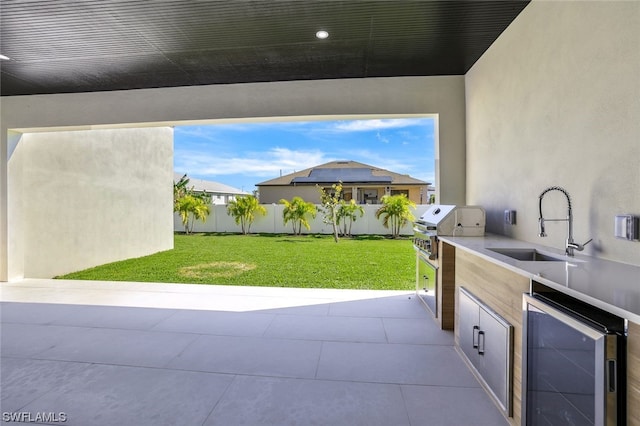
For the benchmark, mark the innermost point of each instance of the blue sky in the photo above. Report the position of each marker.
(242, 155)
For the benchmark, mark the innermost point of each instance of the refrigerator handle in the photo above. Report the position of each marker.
(611, 375)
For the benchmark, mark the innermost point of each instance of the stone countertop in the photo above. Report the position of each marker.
(612, 286)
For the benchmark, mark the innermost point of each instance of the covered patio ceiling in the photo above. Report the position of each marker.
(64, 46)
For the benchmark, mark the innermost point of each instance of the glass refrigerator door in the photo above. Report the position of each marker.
(562, 372)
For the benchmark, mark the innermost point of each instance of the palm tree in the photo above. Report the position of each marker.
(180, 189)
(347, 214)
(192, 207)
(395, 212)
(190, 204)
(295, 211)
(244, 209)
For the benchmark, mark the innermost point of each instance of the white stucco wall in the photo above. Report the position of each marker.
(273, 194)
(556, 101)
(92, 197)
(354, 98)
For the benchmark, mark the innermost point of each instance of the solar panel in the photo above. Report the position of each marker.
(345, 175)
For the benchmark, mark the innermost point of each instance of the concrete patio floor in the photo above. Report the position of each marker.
(117, 353)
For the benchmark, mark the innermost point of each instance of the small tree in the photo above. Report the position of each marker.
(347, 214)
(189, 204)
(295, 211)
(330, 202)
(395, 212)
(192, 207)
(244, 210)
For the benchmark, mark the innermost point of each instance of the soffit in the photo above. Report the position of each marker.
(84, 46)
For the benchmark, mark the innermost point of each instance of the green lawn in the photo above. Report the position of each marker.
(367, 262)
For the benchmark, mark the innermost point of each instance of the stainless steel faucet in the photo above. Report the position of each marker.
(570, 245)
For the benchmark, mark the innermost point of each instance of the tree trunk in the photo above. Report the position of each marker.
(335, 227)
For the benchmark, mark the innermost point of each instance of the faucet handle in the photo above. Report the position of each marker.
(541, 232)
(577, 246)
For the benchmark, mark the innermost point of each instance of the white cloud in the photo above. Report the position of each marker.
(196, 132)
(382, 138)
(375, 124)
(267, 164)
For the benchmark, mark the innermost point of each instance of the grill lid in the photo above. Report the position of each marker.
(436, 214)
(452, 220)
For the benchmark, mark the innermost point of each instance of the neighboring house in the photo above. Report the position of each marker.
(219, 192)
(364, 183)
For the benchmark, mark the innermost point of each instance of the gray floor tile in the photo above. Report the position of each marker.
(281, 402)
(250, 355)
(351, 363)
(24, 380)
(451, 406)
(327, 328)
(218, 323)
(113, 317)
(416, 331)
(33, 313)
(29, 340)
(315, 309)
(121, 347)
(116, 395)
(385, 307)
(394, 363)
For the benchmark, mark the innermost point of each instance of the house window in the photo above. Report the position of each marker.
(370, 196)
(400, 192)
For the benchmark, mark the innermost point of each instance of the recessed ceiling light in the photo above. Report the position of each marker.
(322, 34)
(4, 58)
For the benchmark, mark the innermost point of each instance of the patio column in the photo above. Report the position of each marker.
(11, 208)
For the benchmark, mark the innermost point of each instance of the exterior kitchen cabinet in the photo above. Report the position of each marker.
(486, 342)
(502, 291)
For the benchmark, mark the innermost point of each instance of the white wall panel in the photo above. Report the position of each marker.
(92, 197)
(556, 101)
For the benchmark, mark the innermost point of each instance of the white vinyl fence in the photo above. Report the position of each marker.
(220, 221)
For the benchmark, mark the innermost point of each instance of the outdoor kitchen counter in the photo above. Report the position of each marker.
(612, 286)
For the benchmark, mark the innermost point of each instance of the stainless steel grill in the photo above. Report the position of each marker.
(440, 220)
(450, 220)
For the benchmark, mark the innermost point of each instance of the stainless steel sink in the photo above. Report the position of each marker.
(528, 255)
